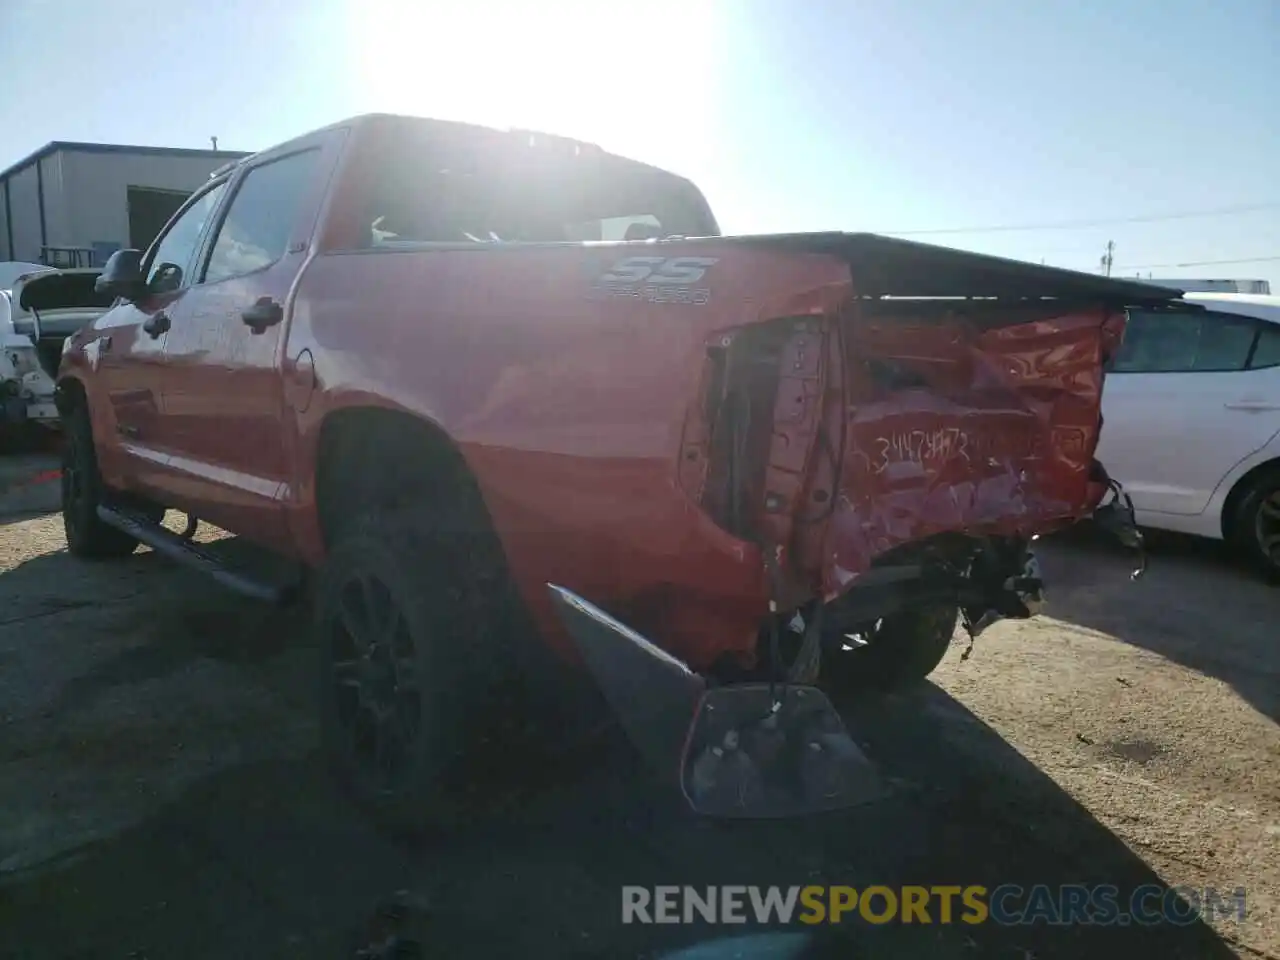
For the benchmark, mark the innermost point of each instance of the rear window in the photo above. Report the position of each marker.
(489, 187)
(1157, 342)
(1267, 352)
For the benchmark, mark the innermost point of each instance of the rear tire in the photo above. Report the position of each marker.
(83, 492)
(904, 649)
(409, 657)
(1256, 530)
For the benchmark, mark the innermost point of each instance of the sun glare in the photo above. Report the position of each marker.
(638, 80)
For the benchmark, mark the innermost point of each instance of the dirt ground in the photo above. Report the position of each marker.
(161, 793)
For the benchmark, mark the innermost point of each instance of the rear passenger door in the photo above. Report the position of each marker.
(223, 388)
(1190, 395)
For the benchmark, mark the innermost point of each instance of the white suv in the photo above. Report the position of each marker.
(1191, 414)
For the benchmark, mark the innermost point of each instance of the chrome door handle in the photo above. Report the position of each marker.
(264, 313)
(1253, 406)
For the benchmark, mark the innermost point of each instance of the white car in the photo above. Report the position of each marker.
(39, 308)
(1191, 412)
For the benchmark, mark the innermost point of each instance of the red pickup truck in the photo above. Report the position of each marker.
(464, 376)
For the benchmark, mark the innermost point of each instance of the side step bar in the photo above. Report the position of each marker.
(172, 545)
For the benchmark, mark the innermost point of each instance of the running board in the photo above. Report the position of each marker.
(165, 541)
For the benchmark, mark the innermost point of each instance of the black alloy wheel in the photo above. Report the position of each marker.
(372, 664)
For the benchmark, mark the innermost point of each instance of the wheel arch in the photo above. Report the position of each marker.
(426, 466)
(370, 457)
(1231, 506)
(69, 392)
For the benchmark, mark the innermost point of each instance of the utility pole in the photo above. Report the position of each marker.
(1108, 258)
(214, 141)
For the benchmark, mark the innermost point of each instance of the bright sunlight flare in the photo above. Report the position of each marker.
(641, 80)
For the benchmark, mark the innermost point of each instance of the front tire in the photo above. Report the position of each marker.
(900, 650)
(83, 492)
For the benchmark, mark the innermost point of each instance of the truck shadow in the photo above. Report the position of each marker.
(1197, 606)
(267, 860)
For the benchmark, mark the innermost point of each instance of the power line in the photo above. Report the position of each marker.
(1084, 224)
(1194, 263)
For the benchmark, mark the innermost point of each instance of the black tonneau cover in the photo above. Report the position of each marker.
(888, 267)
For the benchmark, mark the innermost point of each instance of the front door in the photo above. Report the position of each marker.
(223, 406)
(128, 348)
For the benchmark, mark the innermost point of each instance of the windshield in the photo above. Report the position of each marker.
(496, 187)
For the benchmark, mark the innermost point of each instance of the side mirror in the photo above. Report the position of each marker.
(122, 276)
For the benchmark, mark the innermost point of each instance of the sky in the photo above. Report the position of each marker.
(1151, 123)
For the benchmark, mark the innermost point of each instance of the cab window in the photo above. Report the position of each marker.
(493, 188)
(175, 250)
(255, 232)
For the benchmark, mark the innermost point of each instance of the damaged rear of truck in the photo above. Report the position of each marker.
(735, 477)
(933, 417)
(888, 445)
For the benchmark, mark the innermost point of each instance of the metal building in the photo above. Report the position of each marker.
(72, 204)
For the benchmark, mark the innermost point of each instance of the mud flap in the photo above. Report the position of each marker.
(743, 751)
(756, 752)
(653, 694)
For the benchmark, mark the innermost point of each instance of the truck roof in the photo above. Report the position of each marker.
(883, 266)
(442, 126)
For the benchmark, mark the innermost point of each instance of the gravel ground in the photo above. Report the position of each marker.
(161, 794)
